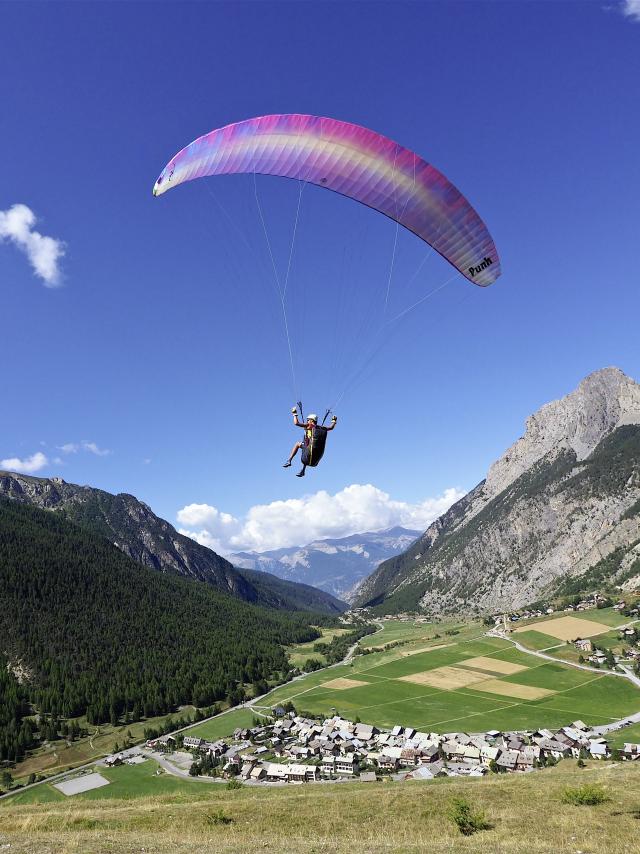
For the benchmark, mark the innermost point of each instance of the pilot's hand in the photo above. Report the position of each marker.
(334, 419)
(294, 410)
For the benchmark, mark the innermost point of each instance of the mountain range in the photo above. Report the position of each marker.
(333, 565)
(132, 526)
(558, 512)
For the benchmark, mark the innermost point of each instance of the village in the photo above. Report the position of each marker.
(296, 749)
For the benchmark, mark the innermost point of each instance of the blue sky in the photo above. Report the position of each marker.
(163, 344)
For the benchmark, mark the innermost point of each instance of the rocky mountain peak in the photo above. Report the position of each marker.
(602, 402)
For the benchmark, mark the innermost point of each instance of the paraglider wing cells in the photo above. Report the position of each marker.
(355, 162)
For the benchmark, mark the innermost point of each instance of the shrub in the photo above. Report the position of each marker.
(234, 784)
(218, 817)
(581, 763)
(467, 821)
(588, 795)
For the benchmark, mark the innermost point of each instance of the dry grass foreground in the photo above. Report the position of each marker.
(525, 811)
(495, 665)
(342, 683)
(445, 678)
(567, 628)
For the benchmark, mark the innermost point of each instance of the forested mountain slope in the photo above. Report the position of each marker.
(132, 526)
(560, 509)
(88, 630)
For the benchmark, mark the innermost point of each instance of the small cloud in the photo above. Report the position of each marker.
(91, 447)
(44, 253)
(58, 461)
(146, 461)
(631, 9)
(29, 465)
(94, 449)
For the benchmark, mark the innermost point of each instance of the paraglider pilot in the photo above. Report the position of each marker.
(315, 437)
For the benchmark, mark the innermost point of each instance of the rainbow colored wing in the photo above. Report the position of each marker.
(356, 162)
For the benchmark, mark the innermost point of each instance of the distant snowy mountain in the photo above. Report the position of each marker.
(335, 566)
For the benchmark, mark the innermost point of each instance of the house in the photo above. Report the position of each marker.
(388, 763)
(346, 764)
(583, 645)
(365, 732)
(191, 742)
(598, 749)
(275, 773)
(409, 757)
(368, 777)
(247, 768)
(507, 760)
(328, 765)
(296, 773)
(111, 761)
(630, 751)
(258, 773)
(429, 754)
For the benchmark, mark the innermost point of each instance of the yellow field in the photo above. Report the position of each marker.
(512, 689)
(342, 683)
(567, 628)
(483, 662)
(445, 678)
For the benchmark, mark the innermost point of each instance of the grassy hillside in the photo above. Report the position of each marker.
(526, 814)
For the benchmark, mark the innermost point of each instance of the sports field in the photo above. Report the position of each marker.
(465, 681)
(124, 781)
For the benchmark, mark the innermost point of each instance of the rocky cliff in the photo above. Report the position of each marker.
(561, 501)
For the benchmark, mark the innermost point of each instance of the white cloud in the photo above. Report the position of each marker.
(74, 447)
(44, 253)
(30, 464)
(298, 521)
(94, 449)
(631, 9)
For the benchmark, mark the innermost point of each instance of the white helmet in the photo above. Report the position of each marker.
(312, 417)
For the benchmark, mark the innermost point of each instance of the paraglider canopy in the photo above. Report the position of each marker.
(355, 162)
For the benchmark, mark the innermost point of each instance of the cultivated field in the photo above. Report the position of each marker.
(526, 814)
(463, 680)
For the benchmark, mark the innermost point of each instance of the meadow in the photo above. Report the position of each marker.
(300, 653)
(126, 781)
(525, 812)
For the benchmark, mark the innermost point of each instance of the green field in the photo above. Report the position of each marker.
(223, 725)
(396, 630)
(299, 653)
(384, 698)
(538, 640)
(629, 734)
(127, 781)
